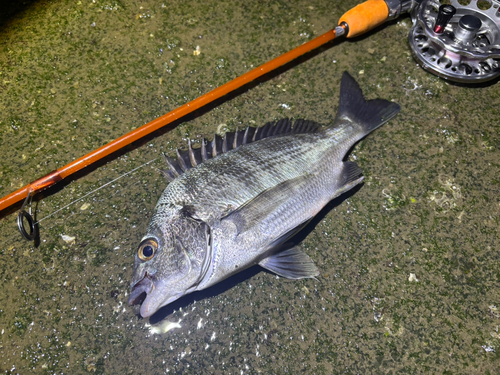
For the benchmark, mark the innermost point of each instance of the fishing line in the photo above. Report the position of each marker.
(4, 243)
(93, 191)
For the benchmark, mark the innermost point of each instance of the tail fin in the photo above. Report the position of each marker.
(368, 114)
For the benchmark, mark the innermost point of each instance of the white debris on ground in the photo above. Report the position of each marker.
(68, 239)
(163, 327)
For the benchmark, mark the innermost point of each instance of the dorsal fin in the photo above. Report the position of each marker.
(194, 156)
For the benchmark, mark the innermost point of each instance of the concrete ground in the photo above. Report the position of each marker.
(409, 262)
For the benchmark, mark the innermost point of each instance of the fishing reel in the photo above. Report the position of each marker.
(458, 40)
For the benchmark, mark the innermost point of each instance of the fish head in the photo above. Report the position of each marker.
(169, 262)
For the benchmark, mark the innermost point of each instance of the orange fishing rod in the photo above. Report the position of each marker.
(358, 20)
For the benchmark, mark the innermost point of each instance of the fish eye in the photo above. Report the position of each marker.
(147, 249)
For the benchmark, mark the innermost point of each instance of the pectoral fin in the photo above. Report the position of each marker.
(256, 210)
(292, 263)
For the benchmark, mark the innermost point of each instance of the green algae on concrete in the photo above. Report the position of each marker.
(77, 74)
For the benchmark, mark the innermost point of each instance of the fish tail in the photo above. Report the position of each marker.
(363, 115)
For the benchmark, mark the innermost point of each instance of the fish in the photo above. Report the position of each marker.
(236, 201)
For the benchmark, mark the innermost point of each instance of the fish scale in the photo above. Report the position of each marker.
(249, 173)
(238, 200)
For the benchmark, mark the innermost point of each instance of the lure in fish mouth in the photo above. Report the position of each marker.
(237, 200)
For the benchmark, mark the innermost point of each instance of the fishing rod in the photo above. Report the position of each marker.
(454, 41)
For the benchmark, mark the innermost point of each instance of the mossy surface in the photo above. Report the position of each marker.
(76, 74)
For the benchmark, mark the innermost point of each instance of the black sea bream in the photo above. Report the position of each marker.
(236, 201)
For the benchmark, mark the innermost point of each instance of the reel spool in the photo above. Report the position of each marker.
(457, 42)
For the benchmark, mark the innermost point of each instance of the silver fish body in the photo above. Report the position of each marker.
(227, 210)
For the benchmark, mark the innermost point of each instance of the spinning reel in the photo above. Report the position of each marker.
(458, 40)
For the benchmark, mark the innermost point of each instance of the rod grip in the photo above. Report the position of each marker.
(365, 16)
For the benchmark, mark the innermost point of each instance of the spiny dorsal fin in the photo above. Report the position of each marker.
(174, 170)
(194, 156)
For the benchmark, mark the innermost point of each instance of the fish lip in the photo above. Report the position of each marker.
(151, 306)
(140, 290)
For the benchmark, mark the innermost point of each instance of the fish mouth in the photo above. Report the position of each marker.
(140, 290)
(150, 295)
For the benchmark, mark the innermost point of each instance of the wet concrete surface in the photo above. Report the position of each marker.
(409, 262)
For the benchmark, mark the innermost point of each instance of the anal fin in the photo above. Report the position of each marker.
(350, 176)
(291, 263)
